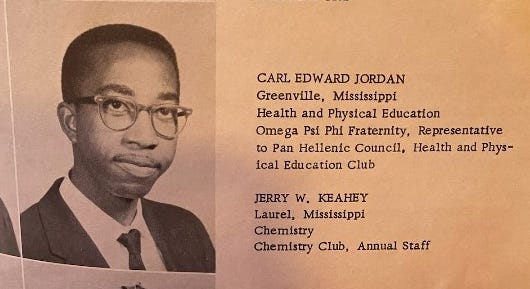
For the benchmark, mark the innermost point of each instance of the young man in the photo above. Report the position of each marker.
(121, 112)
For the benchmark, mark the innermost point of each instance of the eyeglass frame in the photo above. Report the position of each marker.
(139, 107)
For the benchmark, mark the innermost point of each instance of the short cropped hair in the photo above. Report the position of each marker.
(75, 59)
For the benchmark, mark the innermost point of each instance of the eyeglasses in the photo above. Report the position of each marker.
(120, 113)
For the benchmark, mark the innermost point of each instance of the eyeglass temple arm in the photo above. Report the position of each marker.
(185, 111)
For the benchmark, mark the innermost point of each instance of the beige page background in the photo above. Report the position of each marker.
(468, 59)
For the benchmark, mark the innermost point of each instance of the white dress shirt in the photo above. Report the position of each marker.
(104, 230)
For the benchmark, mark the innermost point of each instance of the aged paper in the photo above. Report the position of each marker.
(333, 144)
(466, 211)
(10, 266)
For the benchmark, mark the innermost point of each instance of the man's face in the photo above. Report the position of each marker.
(125, 163)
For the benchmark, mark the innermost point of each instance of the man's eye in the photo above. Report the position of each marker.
(165, 113)
(115, 106)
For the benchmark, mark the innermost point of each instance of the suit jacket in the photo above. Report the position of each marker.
(50, 232)
(8, 243)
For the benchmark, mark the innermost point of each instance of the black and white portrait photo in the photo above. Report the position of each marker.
(115, 120)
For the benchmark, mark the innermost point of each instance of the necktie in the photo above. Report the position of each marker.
(131, 241)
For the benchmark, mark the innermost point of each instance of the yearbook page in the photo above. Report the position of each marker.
(264, 144)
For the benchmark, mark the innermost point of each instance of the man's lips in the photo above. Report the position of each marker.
(137, 166)
(136, 160)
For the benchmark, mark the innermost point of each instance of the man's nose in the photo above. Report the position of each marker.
(141, 134)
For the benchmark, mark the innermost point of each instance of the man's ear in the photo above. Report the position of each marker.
(66, 113)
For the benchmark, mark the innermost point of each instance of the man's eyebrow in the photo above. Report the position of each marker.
(168, 96)
(125, 90)
(119, 88)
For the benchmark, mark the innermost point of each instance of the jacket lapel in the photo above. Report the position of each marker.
(162, 236)
(67, 238)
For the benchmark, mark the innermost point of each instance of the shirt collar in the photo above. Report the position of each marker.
(100, 227)
(91, 216)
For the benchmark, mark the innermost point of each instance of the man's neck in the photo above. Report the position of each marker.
(122, 210)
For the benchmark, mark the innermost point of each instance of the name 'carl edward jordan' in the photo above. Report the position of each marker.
(356, 78)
